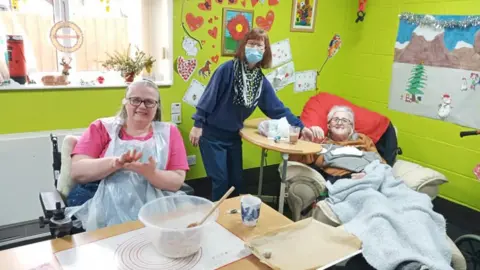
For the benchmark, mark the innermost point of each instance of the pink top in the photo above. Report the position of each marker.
(95, 140)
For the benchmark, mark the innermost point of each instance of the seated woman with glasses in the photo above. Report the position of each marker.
(346, 152)
(122, 162)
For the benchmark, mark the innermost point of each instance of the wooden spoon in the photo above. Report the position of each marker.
(213, 208)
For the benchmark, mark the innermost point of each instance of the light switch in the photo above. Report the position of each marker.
(176, 118)
(176, 108)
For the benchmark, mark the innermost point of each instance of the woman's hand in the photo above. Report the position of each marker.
(317, 132)
(195, 135)
(127, 157)
(307, 134)
(145, 169)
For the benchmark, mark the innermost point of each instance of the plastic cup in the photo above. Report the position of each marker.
(294, 134)
(250, 206)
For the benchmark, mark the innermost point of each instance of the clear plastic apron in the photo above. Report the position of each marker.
(120, 195)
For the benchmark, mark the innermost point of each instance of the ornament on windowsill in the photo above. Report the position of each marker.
(65, 63)
(100, 79)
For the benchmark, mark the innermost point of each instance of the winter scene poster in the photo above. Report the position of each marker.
(436, 69)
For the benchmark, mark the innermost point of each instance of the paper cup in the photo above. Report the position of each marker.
(250, 207)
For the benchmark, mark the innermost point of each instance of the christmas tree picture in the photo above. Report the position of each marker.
(416, 83)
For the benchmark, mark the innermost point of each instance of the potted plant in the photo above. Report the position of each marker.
(129, 66)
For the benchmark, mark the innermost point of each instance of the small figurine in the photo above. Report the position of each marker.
(66, 65)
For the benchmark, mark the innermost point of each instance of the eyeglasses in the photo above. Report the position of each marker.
(136, 101)
(341, 120)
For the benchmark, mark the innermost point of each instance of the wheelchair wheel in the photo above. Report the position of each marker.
(469, 245)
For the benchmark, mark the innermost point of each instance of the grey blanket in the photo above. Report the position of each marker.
(395, 224)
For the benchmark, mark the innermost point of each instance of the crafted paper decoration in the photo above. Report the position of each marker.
(281, 52)
(282, 76)
(436, 68)
(333, 48)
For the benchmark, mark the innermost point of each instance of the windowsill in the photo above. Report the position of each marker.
(33, 87)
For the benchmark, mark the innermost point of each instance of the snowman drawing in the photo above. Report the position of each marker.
(464, 84)
(445, 107)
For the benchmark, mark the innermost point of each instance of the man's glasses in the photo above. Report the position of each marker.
(149, 103)
(341, 120)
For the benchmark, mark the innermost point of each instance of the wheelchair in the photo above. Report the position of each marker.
(54, 203)
(469, 244)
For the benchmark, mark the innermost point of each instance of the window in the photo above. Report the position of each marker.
(106, 27)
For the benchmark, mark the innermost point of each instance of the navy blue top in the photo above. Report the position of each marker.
(216, 109)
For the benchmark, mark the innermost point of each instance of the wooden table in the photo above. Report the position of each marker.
(30, 256)
(250, 134)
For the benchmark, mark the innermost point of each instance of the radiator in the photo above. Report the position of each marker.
(25, 170)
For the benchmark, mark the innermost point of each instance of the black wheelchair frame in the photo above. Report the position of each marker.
(53, 204)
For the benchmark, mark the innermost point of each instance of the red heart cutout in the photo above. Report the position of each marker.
(194, 22)
(213, 32)
(214, 58)
(216, 18)
(207, 5)
(203, 42)
(244, 3)
(266, 22)
(272, 2)
(185, 67)
(232, 2)
(210, 20)
(254, 3)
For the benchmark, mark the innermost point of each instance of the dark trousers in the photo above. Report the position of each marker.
(222, 160)
(387, 145)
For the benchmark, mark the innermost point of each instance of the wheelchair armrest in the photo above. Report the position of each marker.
(187, 189)
(48, 200)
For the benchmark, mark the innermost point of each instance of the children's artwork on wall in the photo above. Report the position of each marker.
(436, 68)
(305, 81)
(266, 22)
(476, 171)
(236, 24)
(189, 21)
(205, 5)
(333, 48)
(281, 52)
(185, 68)
(190, 46)
(194, 93)
(303, 15)
(213, 32)
(273, 2)
(205, 70)
(194, 22)
(215, 58)
(282, 76)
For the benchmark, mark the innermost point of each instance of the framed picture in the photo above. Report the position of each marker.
(303, 15)
(236, 23)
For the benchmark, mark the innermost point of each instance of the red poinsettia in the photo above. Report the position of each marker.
(238, 27)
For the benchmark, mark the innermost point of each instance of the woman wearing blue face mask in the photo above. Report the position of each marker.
(235, 89)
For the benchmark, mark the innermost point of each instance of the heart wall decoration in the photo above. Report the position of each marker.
(266, 22)
(193, 22)
(186, 67)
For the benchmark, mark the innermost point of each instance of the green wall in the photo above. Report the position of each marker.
(360, 72)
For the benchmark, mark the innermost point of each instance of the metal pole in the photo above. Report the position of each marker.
(260, 176)
(281, 201)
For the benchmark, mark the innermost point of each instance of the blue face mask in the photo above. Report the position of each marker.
(253, 55)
